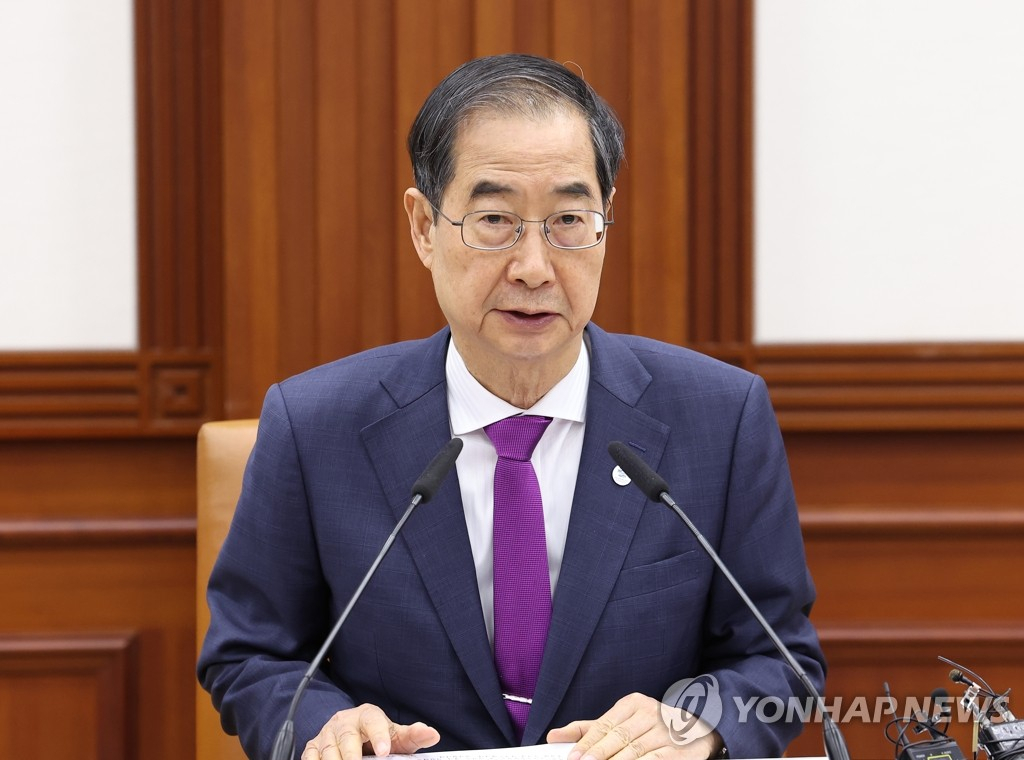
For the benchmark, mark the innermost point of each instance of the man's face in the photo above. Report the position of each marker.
(525, 306)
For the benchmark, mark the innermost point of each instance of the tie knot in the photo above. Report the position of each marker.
(517, 437)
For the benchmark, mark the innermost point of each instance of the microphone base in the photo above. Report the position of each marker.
(935, 749)
(835, 744)
(284, 744)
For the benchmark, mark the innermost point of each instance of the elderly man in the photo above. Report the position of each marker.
(538, 596)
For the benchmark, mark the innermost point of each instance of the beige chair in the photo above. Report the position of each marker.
(221, 455)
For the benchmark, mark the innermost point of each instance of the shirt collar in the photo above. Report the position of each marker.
(471, 406)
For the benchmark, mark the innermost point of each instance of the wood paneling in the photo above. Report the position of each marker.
(957, 470)
(47, 480)
(318, 101)
(656, 252)
(94, 532)
(896, 387)
(912, 538)
(721, 148)
(89, 681)
(58, 595)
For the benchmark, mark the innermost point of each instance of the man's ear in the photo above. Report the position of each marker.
(421, 224)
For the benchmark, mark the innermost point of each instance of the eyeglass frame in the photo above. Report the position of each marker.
(519, 235)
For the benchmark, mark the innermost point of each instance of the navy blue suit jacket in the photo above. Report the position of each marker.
(637, 607)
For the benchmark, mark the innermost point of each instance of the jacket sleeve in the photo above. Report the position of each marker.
(762, 545)
(268, 600)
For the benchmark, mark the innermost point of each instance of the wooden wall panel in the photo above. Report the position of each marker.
(99, 614)
(657, 121)
(429, 37)
(97, 452)
(897, 387)
(912, 538)
(317, 104)
(86, 681)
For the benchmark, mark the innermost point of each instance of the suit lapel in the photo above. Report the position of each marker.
(400, 446)
(603, 520)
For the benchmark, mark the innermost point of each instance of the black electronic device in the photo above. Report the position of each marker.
(938, 746)
(999, 732)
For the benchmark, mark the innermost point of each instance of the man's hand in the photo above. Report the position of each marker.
(637, 726)
(367, 730)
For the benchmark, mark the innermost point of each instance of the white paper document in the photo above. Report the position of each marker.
(538, 752)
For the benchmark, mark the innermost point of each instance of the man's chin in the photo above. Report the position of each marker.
(537, 350)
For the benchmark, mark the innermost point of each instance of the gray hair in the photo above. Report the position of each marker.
(507, 84)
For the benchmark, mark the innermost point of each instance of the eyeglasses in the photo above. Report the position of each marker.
(570, 230)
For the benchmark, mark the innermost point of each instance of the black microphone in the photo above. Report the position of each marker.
(957, 676)
(930, 722)
(656, 489)
(943, 712)
(901, 740)
(423, 490)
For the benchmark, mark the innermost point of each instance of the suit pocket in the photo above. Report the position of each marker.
(657, 576)
(653, 615)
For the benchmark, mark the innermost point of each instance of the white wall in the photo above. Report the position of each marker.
(67, 175)
(889, 170)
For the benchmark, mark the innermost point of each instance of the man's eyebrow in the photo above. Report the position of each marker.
(577, 189)
(486, 188)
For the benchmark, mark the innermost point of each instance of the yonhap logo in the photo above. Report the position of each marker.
(691, 708)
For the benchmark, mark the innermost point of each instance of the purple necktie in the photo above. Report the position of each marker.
(522, 586)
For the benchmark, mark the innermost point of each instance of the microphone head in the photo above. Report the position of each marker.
(435, 473)
(957, 677)
(940, 698)
(645, 478)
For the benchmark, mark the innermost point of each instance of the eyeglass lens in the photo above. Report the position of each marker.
(563, 229)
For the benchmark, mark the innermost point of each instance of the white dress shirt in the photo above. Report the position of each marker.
(556, 461)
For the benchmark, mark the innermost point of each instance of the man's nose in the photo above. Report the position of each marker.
(531, 257)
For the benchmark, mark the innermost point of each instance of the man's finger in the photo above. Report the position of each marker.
(375, 729)
(408, 739)
(571, 732)
(619, 729)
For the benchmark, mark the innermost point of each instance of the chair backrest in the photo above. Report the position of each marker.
(221, 455)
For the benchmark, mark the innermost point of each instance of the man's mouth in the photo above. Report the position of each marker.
(536, 319)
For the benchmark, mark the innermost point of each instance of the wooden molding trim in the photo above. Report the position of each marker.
(860, 522)
(988, 648)
(720, 155)
(105, 394)
(109, 660)
(89, 533)
(913, 635)
(896, 387)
